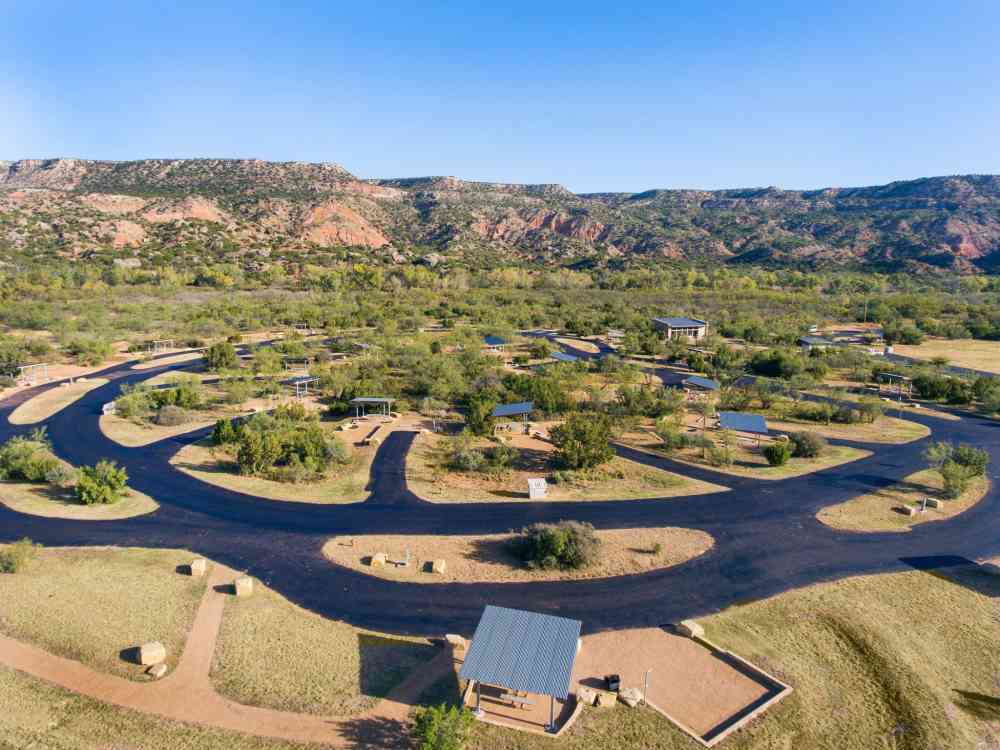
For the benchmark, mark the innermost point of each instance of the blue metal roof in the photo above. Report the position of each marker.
(681, 322)
(737, 420)
(564, 357)
(514, 410)
(494, 341)
(522, 650)
(699, 382)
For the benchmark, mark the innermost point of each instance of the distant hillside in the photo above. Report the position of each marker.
(229, 206)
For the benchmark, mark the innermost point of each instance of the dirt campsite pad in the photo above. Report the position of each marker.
(58, 502)
(883, 430)
(481, 559)
(54, 400)
(703, 690)
(882, 510)
(428, 476)
(345, 484)
(971, 353)
(166, 361)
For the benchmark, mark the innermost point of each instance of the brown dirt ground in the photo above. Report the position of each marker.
(475, 559)
(971, 353)
(54, 400)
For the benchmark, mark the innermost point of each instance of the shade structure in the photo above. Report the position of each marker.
(740, 422)
(514, 410)
(680, 322)
(696, 381)
(522, 650)
(494, 341)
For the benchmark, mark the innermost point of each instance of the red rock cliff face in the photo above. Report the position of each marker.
(332, 223)
(516, 227)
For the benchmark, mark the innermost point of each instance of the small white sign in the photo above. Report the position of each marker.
(538, 488)
(109, 408)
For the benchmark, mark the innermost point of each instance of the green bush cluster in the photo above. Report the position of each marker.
(777, 453)
(957, 465)
(14, 557)
(566, 545)
(103, 483)
(442, 727)
(583, 441)
(28, 459)
(807, 444)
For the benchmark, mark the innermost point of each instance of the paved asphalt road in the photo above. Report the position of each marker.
(767, 537)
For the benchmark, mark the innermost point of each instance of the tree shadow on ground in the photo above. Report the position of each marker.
(983, 707)
(493, 552)
(377, 733)
(384, 662)
(980, 578)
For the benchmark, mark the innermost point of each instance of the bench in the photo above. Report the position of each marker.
(521, 701)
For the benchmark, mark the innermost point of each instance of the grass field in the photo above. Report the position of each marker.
(971, 353)
(91, 604)
(133, 434)
(54, 502)
(54, 400)
(876, 511)
(619, 479)
(485, 558)
(882, 430)
(41, 716)
(274, 654)
(905, 661)
(346, 484)
(174, 360)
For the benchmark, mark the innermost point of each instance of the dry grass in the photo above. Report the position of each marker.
(55, 502)
(838, 392)
(135, 434)
(54, 400)
(274, 654)
(91, 604)
(584, 346)
(883, 430)
(878, 511)
(39, 715)
(971, 353)
(474, 559)
(619, 479)
(346, 484)
(174, 360)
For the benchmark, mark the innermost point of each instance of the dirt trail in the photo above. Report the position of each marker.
(187, 694)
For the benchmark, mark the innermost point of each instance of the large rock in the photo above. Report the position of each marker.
(439, 566)
(908, 510)
(690, 629)
(157, 671)
(456, 641)
(152, 653)
(198, 567)
(604, 699)
(243, 586)
(631, 697)
(378, 560)
(587, 696)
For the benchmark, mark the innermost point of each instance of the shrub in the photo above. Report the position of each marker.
(956, 478)
(14, 557)
(442, 727)
(60, 475)
(28, 459)
(807, 444)
(673, 439)
(221, 356)
(224, 433)
(171, 416)
(777, 453)
(103, 483)
(583, 441)
(719, 455)
(500, 457)
(567, 545)
(974, 459)
(289, 445)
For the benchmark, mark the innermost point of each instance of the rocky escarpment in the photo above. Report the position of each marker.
(230, 205)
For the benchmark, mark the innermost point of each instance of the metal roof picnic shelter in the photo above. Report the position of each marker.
(362, 403)
(697, 381)
(521, 408)
(738, 421)
(680, 322)
(523, 652)
(495, 342)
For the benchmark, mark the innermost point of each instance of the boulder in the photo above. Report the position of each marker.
(631, 697)
(908, 510)
(243, 586)
(378, 560)
(604, 699)
(157, 671)
(439, 566)
(198, 567)
(690, 629)
(152, 653)
(587, 696)
(456, 641)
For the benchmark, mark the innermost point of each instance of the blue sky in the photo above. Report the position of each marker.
(623, 97)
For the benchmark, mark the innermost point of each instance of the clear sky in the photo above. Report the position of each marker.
(621, 96)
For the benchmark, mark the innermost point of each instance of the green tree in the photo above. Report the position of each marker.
(583, 441)
(221, 356)
(480, 415)
(442, 727)
(101, 484)
(777, 453)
